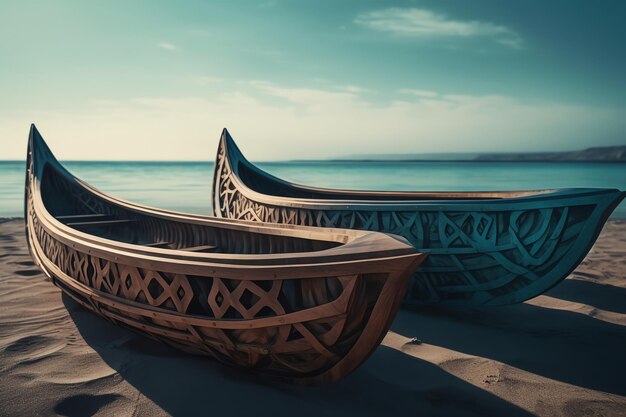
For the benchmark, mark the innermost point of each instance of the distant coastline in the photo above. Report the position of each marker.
(610, 154)
(598, 154)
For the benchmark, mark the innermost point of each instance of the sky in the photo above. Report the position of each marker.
(158, 80)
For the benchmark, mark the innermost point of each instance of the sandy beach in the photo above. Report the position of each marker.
(561, 354)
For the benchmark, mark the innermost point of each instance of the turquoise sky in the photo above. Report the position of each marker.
(159, 79)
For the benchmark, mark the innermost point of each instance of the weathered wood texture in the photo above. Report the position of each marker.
(298, 303)
(485, 248)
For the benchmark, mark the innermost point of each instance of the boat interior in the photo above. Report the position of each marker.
(76, 206)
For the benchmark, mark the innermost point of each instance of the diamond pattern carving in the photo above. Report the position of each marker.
(503, 251)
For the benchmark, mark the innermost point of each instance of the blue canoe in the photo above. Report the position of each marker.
(486, 248)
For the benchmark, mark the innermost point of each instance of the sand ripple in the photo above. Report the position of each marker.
(561, 354)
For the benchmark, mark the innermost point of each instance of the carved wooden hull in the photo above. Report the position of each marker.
(485, 248)
(304, 304)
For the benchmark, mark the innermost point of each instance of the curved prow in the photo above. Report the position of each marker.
(230, 160)
(37, 155)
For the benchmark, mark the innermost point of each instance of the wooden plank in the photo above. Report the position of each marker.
(101, 223)
(157, 244)
(82, 216)
(78, 218)
(201, 248)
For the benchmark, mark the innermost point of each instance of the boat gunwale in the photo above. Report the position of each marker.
(355, 247)
(550, 197)
(370, 245)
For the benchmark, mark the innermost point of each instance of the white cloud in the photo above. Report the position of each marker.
(420, 23)
(273, 122)
(167, 45)
(307, 96)
(354, 89)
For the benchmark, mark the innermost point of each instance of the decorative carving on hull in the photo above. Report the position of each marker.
(300, 304)
(484, 248)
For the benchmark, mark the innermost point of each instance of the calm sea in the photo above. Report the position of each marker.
(186, 186)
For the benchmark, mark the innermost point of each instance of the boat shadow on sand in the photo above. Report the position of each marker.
(563, 345)
(389, 383)
(602, 296)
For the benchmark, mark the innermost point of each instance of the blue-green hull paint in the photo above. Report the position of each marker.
(485, 248)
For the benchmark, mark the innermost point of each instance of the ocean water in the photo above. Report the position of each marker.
(186, 186)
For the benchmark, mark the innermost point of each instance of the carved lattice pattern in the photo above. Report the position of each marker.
(303, 347)
(473, 255)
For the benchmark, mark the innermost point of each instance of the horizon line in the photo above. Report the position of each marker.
(335, 160)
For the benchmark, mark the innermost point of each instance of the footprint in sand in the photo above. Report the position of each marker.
(85, 404)
(27, 272)
(24, 263)
(12, 255)
(27, 343)
(477, 370)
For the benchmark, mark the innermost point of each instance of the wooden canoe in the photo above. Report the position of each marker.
(485, 248)
(298, 303)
